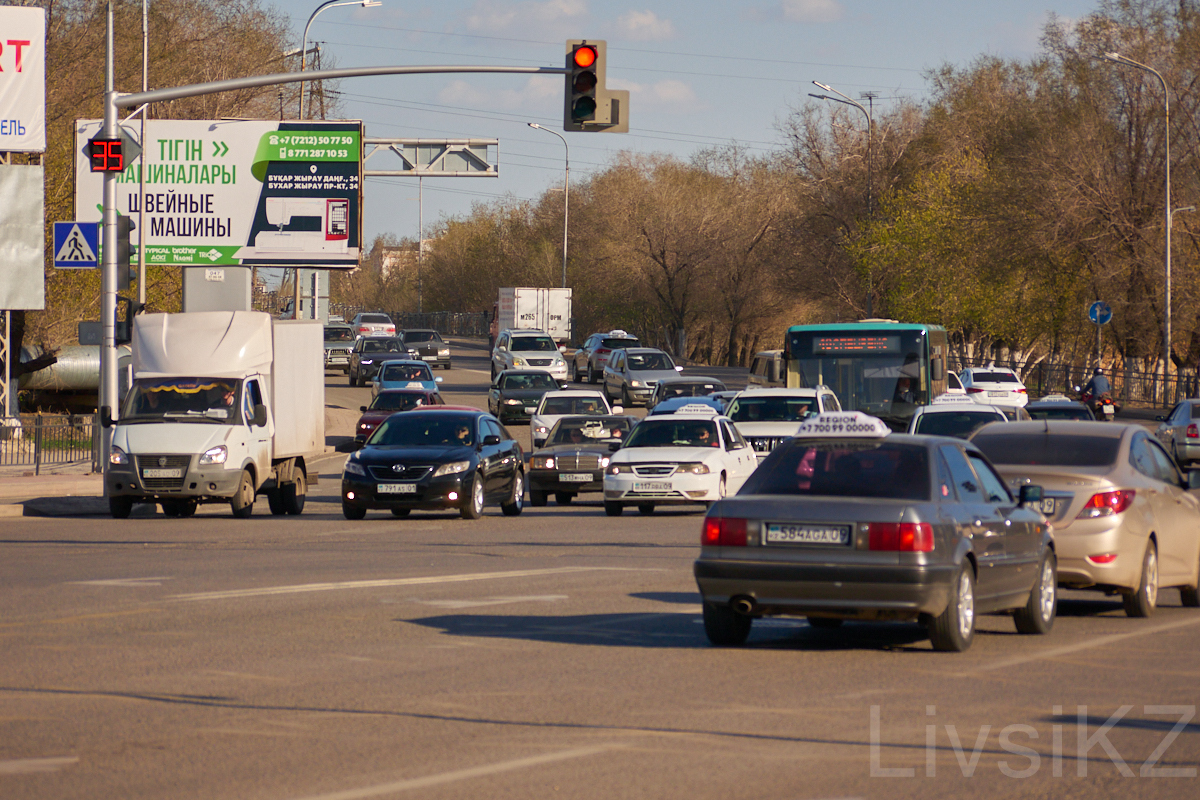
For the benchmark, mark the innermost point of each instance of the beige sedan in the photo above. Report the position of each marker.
(1125, 518)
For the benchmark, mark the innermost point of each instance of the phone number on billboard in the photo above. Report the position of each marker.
(313, 153)
(296, 139)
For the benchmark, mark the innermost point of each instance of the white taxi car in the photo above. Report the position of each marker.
(694, 455)
(768, 416)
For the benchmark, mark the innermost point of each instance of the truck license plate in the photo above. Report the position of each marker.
(162, 473)
(397, 488)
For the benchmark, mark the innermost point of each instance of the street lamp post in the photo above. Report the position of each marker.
(304, 43)
(870, 160)
(566, 192)
(1129, 62)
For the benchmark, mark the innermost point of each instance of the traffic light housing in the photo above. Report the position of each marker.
(589, 105)
(124, 252)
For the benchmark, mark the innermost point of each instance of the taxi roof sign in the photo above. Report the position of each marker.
(843, 425)
(697, 408)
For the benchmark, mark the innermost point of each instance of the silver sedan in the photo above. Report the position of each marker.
(1125, 518)
(1180, 432)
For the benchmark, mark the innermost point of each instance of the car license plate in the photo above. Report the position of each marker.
(652, 486)
(779, 533)
(397, 488)
(162, 473)
(1048, 506)
(429, 358)
(1109, 409)
(576, 477)
(997, 394)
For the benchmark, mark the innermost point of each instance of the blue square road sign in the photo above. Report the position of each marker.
(76, 245)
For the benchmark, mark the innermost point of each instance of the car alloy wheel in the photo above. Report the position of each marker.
(954, 629)
(473, 505)
(1143, 601)
(1037, 615)
(513, 507)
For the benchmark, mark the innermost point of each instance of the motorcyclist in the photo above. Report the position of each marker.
(1098, 385)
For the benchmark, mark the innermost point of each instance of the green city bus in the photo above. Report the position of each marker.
(880, 367)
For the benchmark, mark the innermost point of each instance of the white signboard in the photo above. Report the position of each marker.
(238, 192)
(22, 238)
(22, 79)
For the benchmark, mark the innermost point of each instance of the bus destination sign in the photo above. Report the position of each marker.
(856, 344)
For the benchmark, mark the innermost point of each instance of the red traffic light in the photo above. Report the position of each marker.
(585, 56)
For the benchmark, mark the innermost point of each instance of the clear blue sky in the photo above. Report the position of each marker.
(700, 73)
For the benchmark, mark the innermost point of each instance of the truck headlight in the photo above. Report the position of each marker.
(214, 455)
(354, 468)
(117, 456)
(453, 468)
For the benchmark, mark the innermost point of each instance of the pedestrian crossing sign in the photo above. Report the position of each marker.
(76, 245)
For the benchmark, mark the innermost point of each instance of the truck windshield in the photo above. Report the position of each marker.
(183, 400)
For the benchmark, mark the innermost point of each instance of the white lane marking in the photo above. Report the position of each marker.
(1100, 641)
(24, 766)
(375, 584)
(464, 774)
(124, 582)
(493, 601)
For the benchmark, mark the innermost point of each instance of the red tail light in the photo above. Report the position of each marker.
(363, 329)
(907, 537)
(973, 390)
(1193, 432)
(1107, 504)
(602, 351)
(1022, 390)
(723, 532)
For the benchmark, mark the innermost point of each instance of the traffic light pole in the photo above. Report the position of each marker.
(114, 101)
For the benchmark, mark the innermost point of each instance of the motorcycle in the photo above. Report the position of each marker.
(1103, 407)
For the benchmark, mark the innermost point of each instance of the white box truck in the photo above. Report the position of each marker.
(546, 310)
(224, 405)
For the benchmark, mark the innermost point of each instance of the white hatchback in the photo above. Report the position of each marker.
(995, 386)
(694, 455)
(568, 403)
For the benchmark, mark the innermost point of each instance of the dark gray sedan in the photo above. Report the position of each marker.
(576, 454)
(426, 344)
(868, 525)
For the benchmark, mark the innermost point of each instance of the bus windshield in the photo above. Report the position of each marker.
(882, 371)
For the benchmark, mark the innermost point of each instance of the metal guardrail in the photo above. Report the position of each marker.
(37, 440)
(447, 323)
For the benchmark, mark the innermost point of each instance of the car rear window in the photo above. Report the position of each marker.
(649, 361)
(1036, 449)
(1066, 412)
(389, 401)
(406, 372)
(843, 469)
(615, 343)
(376, 318)
(960, 424)
(994, 377)
(339, 334)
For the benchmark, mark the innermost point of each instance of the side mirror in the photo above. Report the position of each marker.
(438, 379)
(937, 369)
(1160, 418)
(1193, 479)
(614, 447)
(531, 410)
(259, 419)
(678, 368)
(1029, 494)
(362, 408)
(618, 409)
(106, 420)
(562, 348)
(491, 439)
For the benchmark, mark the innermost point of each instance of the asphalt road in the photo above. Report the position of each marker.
(558, 654)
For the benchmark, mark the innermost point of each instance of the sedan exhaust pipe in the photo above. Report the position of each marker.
(743, 605)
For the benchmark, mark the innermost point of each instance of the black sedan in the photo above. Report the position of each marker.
(426, 344)
(847, 521)
(576, 454)
(435, 459)
(368, 355)
(516, 392)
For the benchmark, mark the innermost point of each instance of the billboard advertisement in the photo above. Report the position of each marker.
(238, 192)
(22, 79)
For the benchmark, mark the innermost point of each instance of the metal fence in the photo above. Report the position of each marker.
(38, 440)
(1130, 386)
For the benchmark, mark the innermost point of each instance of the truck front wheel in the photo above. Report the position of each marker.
(242, 503)
(120, 507)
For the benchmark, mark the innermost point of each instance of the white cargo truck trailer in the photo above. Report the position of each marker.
(224, 406)
(546, 310)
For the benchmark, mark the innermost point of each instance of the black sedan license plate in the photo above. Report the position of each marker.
(787, 533)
